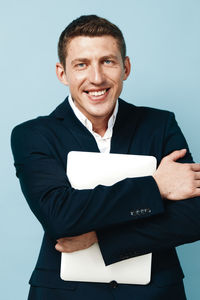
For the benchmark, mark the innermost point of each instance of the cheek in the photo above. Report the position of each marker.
(119, 81)
(76, 79)
(117, 76)
(79, 80)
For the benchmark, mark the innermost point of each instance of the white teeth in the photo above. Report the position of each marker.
(99, 93)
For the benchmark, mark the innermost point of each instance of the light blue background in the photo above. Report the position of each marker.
(163, 44)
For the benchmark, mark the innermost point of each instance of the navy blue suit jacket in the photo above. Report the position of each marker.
(118, 214)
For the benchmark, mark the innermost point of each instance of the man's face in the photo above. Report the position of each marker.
(94, 73)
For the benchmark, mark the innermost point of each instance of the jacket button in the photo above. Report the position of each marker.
(113, 284)
(132, 213)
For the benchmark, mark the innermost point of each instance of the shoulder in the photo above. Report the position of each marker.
(34, 134)
(28, 134)
(41, 124)
(144, 113)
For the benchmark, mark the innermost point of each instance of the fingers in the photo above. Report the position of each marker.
(197, 175)
(76, 243)
(195, 167)
(65, 245)
(175, 155)
(197, 183)
(59, 247)
(67, 248)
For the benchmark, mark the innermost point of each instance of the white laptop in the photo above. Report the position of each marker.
(86, 170)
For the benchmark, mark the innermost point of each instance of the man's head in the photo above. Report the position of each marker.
(93, 63)
(91, 26)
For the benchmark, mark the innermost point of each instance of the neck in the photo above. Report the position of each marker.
(100, 125)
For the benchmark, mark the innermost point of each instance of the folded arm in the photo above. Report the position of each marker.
(64, 211)
(176, 181)
(180, 222)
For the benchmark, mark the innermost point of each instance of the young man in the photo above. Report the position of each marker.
(133, 217)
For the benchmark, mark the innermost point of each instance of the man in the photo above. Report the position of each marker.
(133, 217)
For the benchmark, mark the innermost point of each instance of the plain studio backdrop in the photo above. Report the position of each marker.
(163, 44)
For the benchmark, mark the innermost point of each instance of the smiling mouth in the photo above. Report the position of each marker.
(97, 93)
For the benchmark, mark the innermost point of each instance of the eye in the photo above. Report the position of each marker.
(81, 65)
(108, 61)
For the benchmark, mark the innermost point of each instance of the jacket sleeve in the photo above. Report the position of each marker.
(64, 211)
(179, 224)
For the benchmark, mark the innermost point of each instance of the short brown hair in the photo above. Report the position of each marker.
(92, 26)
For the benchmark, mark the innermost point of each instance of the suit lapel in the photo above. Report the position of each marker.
(124, 128)
(79, 132)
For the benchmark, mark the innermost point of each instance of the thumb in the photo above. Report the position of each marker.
(175, 155)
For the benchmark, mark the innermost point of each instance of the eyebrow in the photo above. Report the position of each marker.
(84, 60)
(77, 60)
(110, 56)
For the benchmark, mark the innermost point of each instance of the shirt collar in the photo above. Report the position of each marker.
(82, 118)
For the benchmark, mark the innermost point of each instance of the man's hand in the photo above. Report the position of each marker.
(177, 181)
(75, 243)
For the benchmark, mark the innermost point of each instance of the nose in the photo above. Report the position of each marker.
(96, 75)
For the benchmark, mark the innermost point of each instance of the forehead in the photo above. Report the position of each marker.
(89, 46)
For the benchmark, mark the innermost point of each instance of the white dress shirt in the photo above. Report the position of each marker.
(104, 142)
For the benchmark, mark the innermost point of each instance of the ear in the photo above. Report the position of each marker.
(60, 72)
(127, 67)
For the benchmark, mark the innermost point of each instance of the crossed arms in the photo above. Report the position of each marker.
(65, 212)
(175, 181)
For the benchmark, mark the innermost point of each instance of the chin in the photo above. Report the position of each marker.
(101, 112)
